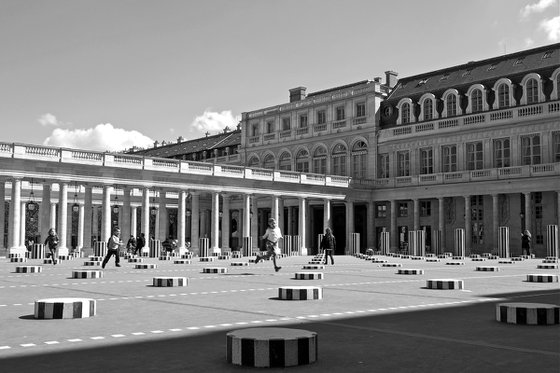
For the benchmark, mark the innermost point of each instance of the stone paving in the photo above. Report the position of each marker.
(370, 317)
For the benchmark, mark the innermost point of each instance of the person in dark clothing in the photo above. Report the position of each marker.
(131, 244)
(140, 243)
(113, 245)
(328, 243)
(52, 244)
(526, 242)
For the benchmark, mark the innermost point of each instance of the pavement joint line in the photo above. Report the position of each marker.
(52, 342)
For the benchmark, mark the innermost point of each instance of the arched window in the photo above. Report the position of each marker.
(476, 100)
(339, 155)
(503, 96)
(253, 162)
(302, 161)
(285, 162)
(405, 113)
(427, 109)
(269, 161)
(451, 105)
(320, 160)
(532, 89)
(359, 160)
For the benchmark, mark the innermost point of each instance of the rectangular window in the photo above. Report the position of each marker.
(320, 165)
(426, 161)
(303, 121)
(269, 126)
(339, 165)
(556, 147)
(360, 110)
(321, 117)
(403, 209)
(474, 156)
(383, 166)
(340, 113)
(254, 129)
(359, 166)
(381, 209)
(502, 153)
(403, 165)
(286, 125)
(425, 208)
(530, 150)
(449, 158)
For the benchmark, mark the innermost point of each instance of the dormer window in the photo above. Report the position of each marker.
(519, 61)
(467, 73)
(405, 116)
(492, 67)
(444, 77)
(422, 82)
(547, 54)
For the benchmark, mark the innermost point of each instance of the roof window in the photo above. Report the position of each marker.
(444, 77)
(422, 82)
(519, 61)
(492, 67)
(467, 73)
(547, 54)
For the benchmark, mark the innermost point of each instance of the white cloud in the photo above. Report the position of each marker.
(552, 28)
(49, 119)
(529, 42)
(100, 138)
(214, 122)
(539, 7)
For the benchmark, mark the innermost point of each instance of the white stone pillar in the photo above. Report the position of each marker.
(63, 231)
(81, 224)
(133, 220)
(2, 211)
(195, 221)
(45, 211)
(146, 219)
(126, 218)
(215, 223)
(495, 220)
(255, 223)
(226, 221)
(281, 215)
(14, 224)
(394, 228)
(52, 218)
(106, 216)
(246, 215)
(349, 225)
(327, 220)
(302, 232)
(416, 204)
(528, 212)
(88, 217)
(23, 222)
(370, 231)
(441, 222)
(274, 208)
(163, 226)
(181, 221)
(468, 225)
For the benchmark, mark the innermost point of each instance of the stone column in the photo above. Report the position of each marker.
(371, 225)
(274, 208)
(133, 220)
(14, 224)
(88, 216)
(81, 216)
(349, 224)
(181, 221)
(63, 231)
(441, 221)
(327, 220)
(125, 219)
(289, 228)
(394, 227)
(146, 219)
(2, 212)
(302, 225)
(528, 212)
(416, 203)
(23, 223)
(106, 216)
(45, 211)
(195, 221)
(468, 225)
(246, 215)
(281, 215)
(215, 223)
(163, 227)
(255, 223)
(495, 220)
(226, 221)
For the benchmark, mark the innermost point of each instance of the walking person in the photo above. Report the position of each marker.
(140, 242)
(328, 243)
(272, 235)
(131, 245)
(526, 242)
(113, 245)
(52, 244)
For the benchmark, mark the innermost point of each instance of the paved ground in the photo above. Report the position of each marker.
(369, 320)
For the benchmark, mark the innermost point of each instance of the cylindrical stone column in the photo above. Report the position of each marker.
(106, 215)
(459, 242)
(195, 221)
(552, 240)
(14, 224)
(63, 231)
(181, 221)
(226, 221)
(146, 220)
(215, 222)
(503, 242)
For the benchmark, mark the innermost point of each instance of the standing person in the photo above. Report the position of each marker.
(526, 242)
(131, 244)
(113, 245)
(52, 244)
(272, 235)
(328, 243)
(140, 242)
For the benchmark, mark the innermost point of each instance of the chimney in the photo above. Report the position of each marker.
(297, 94)
(391, 78)
(156, 143)
(180, 139)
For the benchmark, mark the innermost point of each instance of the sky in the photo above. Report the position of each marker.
(106, 75)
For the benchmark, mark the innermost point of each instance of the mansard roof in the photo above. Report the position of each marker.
(510, 65)
(222, 140)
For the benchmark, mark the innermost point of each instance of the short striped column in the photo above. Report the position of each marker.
(29, 269)
(181, 261)
(542, 278)
(308, 275)
(300, 292)
(145, 266)
(404, 271)
(528, 313)
(391, 265)
(239, 264)
(547, 266)
(271, 347)
(92, 263)
(204, 246)
(319, 240)
(417, 243)
(412, 243)
(459, 242)
(287, 244)
(247, 246)
(488, 268)
(38, 251)
(170, 281)
(64, 308)
(354, 244)
(207, 259)
(214, 270)
(313, 266)
(385, 242)
(445, 284)
(87, 273)
(503, 242)
(18, 259)
(296, 244)
(155, 249)
(100, 249)
(436, 241)
(135, 260)
(552, 241)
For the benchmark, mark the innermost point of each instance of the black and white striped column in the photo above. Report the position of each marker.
(87, 273)
(445, 284)
(38, 251)
(503, 242)
(155, 248)
(300, 292)
(354, 244)
(385, 242)
(64, 308)
(552, 241)
(528, 313)
(170, 281)
(287, 245)
(29, 269)
(247, 246)
(204, 245)
(459, 242)
(100, 249)
(296, 244)
(436, 241)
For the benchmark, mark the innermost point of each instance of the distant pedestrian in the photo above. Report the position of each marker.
(526, 242)
(140, 243)
(52, 244)
(272, 235)
(328, 243)
(113, 245)
(131, 245)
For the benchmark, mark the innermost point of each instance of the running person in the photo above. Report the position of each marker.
(272, 235)
(52, 244)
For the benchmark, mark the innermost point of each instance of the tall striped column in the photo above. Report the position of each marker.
(385, 242)
(459, 242)
(319, 240)
(354, 243)
(296, 244)
(204, 245)
(247, 246)
(552, 240)
(503, 242)
(412, 243)
(288, 244)
(420, 242)
(100, 248)
(436, 242)
(38, 251)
